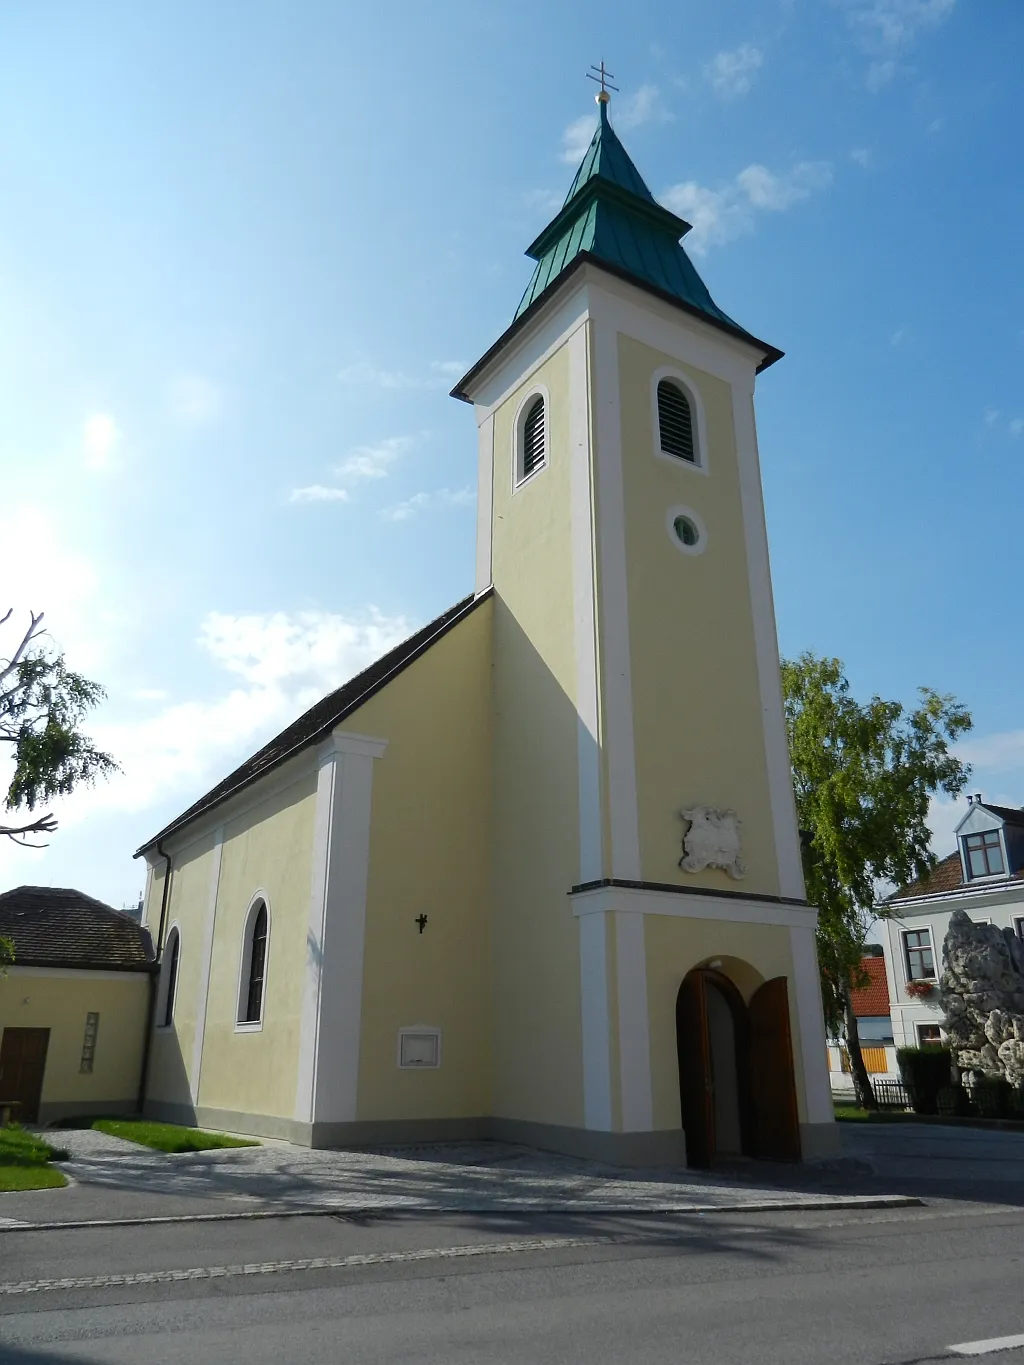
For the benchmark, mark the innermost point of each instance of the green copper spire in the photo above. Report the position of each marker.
(611, 217)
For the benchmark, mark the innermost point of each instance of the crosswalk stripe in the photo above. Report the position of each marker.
(988, 1347)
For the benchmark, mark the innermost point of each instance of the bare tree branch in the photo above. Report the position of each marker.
(43, 824)
(35, 626)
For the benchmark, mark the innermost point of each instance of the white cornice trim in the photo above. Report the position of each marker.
(343, 742)
(633, 900)
(303, 765)
(1010, 889)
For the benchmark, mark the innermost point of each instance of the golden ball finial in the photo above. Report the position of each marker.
(602, 97)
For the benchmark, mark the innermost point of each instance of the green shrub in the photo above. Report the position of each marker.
(925, 1071)
(993, 1097)
(954, 1102)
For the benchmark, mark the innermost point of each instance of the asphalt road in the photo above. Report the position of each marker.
(868, 1287)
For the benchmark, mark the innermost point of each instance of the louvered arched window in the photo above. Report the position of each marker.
(675, 422)
(253, 975)
(531, 437)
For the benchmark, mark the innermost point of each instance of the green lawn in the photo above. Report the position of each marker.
(24, 1162)
(168, 1137)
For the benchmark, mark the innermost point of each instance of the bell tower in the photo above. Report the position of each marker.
(644, 821)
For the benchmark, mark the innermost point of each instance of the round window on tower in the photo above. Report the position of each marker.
(687, 530)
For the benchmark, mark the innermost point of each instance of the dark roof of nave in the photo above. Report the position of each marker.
(55, 926)
(317, 723)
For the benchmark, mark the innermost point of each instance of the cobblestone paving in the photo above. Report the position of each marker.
(449, 1177)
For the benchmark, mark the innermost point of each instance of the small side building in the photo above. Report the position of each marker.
(73, 1007)
(871, 1007)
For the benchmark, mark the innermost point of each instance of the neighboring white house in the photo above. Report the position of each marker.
(985, 877)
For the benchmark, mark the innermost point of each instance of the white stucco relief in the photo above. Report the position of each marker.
(713, 840)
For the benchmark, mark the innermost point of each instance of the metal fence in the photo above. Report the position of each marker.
(891, 1094)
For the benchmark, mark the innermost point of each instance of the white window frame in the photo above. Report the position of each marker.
(419, 1030)
(923, 928)
(698, 521)
(243, 1025)
(923, 1023)
(1018, 926)
(161, 996)
(520, 480)
(965, 856)
(700, 443)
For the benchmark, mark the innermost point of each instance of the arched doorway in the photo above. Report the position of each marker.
(736, 1083)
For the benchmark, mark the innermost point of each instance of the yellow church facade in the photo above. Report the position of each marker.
(536, 874)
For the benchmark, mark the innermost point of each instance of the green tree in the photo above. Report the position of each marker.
(42, 706)
(863, 774)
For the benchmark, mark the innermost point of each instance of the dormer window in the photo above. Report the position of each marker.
(984, 854)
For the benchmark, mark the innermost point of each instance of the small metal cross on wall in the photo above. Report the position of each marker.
(421, 920)
(604, 78)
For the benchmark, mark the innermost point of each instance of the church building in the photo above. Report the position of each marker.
(535, 874)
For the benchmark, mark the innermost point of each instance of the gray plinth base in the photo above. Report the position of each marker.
(819, 1141)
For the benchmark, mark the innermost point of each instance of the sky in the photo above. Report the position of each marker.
(246, 249)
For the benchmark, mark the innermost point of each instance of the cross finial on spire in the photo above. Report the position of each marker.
(604, 79)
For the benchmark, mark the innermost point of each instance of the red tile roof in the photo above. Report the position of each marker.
(871, 1000)
(946, 875)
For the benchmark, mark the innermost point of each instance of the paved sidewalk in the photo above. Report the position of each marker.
(113, 1177)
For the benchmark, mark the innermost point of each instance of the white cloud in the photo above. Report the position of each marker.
(362, 462)
(862, 156)
(362, 374)
(780, 192)
(281, 664)
(1017, 426)
(576, 138)
(645, 105)
(1000, 752)
(194, 399)
(720, 215)
(100, 437)
(373, 462)
(894, 24)
(545, 201)
(318, 492)
(43, 572)
(880, 73)
(991, 416)
(422, 502)
(888, 28)
(150, 694)
(944, 814)
(732, 73)
(897, 336)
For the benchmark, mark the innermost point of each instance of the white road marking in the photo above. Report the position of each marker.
(217, 1272)
(989, 1347)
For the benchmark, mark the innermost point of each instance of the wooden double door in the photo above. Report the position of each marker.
(736, 1082)
(22, 1066)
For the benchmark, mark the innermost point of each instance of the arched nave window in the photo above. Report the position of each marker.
(252, 978)
(169, 978)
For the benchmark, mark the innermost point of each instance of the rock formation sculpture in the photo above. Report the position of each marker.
(982, 993)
